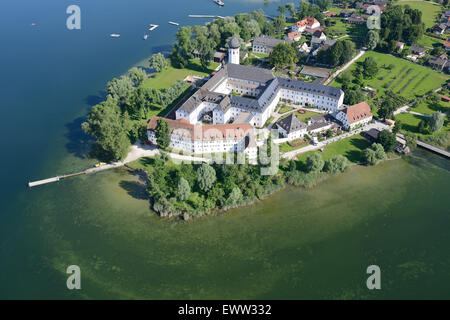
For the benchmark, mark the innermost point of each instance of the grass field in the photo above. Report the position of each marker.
(430, 42)
(428, 9)
(428, 108)
(165, 78)
(304, 117)
(340, 28)
(410, 123)
(406, 78)
(351, 148)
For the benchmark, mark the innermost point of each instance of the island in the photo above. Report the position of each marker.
(246, 105)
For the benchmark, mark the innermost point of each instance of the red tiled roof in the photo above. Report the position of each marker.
(308, 21)
(445, 98)
(358, 112)
(294, 35)
(205, 132)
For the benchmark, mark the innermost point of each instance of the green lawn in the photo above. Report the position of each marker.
(406, 78)
(428, 9)
(429, 108)
(165, 78)
(304, 117)
(410, 123)
(340, 27)
(351, 148)
(284, 109)
(261, 55)
(430, 42)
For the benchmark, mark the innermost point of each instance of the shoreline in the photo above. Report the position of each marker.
(180, 217)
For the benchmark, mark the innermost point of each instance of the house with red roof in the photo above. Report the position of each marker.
(306, 23)
(356, 115)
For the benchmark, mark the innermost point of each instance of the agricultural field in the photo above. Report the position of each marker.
(429, 10)
(405, 78)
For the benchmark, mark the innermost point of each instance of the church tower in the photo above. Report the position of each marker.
(233, 50)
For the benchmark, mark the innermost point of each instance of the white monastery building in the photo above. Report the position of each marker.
(200, 138)
(356, 115)
(236, 89)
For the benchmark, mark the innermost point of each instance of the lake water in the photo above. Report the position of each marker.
(298, 244)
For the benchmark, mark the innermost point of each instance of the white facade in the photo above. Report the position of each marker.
(343, 118)
(233, 55)
(298, 134)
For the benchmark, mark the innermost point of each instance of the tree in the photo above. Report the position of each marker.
(291, 9)
(283, 55)
(282, 10)
(353, 96)
(397, 127)
(388, 140)
(370, 157)
(379, 151)
(110, 128)
(422, 126)
(279, 24)
(162, 133)
(314, 162)
(137, 75)
(324, 4)
(370, 68)
(411, 141)
(184, 190)
(158, 62)
(336, 164)
(437, 121)
(234, 197)
(120, 89)
(206, 177)
(372, 39)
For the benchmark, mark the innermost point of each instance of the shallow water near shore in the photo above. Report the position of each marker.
(296, 244)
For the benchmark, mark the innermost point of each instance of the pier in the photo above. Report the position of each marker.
(205, 16)
(427, 146)
(153, 27)
(88, 171)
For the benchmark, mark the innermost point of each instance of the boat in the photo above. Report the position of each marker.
(219, 2)
(33, 24)
(114, 35)
(100, 164)
(174, 23)
(145, 36)
(153, 27)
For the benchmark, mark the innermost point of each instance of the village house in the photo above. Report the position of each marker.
(439, 28)
(447, 45)
(318, 37)
(439, 62)
(291, 127)
(399, 46)
(304, 48)
(356, 19)
(293, 36)
(418, 51)
(346, 13)
(265, 44)
(356, 115)
(306, 23)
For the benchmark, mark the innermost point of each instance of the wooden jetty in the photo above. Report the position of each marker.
(88, 171)
(428, 147)
(205, 16)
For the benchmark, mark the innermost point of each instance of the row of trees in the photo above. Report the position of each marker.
(339, 53)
